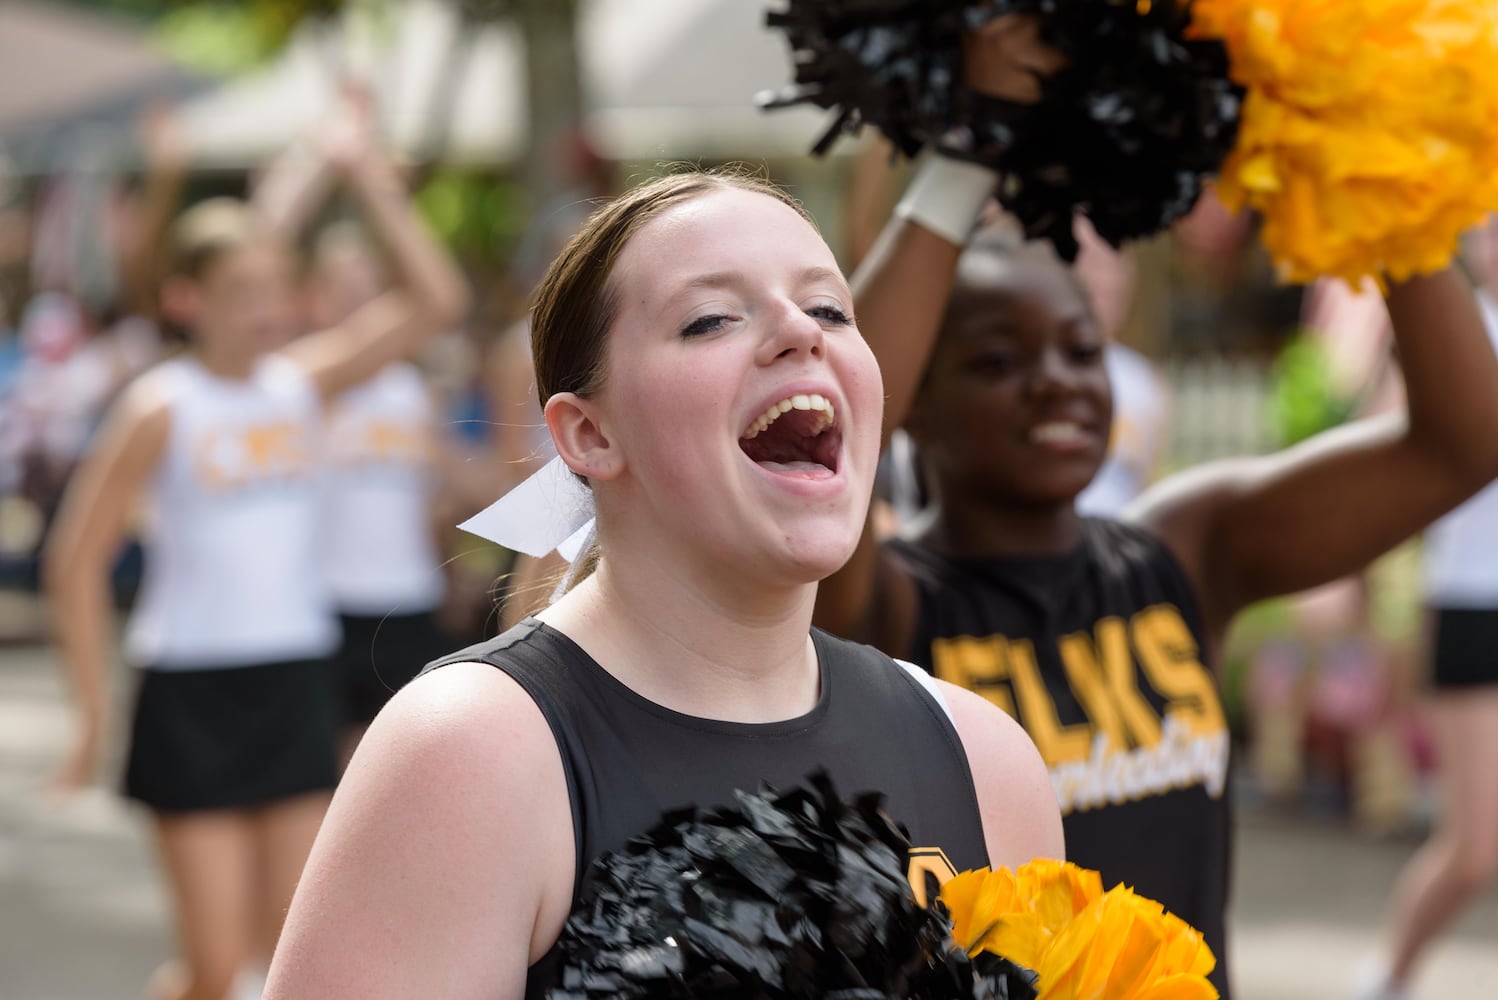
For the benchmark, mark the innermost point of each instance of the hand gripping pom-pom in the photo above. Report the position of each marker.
(1126, 133)
(783, 896)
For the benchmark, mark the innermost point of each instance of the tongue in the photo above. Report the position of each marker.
(804, 470)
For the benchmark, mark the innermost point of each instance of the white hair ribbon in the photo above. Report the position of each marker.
(552, 510)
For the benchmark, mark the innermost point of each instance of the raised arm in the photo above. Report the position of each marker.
(900, 292)
(288, 193)
(80, 552)
(1253, 528)
(432, 294)
(165, 170)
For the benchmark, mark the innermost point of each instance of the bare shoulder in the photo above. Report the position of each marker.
(466, 707)
(145, 405)
(1021, 820)
(448, 848)
(473, 747)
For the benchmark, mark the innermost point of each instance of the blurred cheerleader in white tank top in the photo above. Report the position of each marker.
(232, 740)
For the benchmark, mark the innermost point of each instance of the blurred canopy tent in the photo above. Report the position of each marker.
(663, 79)
(66, 74)
(678, 78)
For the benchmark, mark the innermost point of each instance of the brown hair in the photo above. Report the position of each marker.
(205, 233)
(576, 301)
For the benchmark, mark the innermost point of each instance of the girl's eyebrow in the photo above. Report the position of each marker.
(714, 280)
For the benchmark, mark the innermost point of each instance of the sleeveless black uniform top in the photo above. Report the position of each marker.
(628, 760)
(1101, 656)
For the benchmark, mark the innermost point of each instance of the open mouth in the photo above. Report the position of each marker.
(797, 434)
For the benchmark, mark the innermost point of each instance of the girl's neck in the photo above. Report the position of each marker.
(705, 651)
(225, 364)
(980, 530)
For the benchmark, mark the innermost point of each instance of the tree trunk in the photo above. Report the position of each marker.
(555, 101)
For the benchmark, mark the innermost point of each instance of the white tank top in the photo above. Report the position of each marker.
(1461, 549)
(1138, 436)
(378, 545)
(231, 575)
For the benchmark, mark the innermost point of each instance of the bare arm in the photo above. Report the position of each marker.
(165, 172)
(444, 866)
(290, 190)
(81, 551)
(900, 292)
(433, 292)
(1021, 820)
(1253, 528)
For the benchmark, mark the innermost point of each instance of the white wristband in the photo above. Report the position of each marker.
(947, 197)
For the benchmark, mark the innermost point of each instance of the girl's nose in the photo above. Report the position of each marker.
(791, 333)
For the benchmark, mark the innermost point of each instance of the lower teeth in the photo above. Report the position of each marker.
(793, 466)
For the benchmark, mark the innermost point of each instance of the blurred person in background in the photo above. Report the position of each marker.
(232, 743)
(86, 331)
(1460, 859)
(379, 531)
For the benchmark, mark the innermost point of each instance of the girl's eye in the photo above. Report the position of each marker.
(1087, 353)
(704, 324)
(996, 361)
(830, 314)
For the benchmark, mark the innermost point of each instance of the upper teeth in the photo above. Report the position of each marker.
(1058, 431)
(812, 401)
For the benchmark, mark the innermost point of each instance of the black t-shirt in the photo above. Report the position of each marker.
(1101, 656)
(628, 760)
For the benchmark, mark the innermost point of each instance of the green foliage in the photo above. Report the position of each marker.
(1302, 401)
(226, 38)
(219, 37)
(479, 216)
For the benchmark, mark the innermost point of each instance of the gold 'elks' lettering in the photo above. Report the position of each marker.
(1102, 676)
(975, 664)
(1173, 662)
(1038, 709)
(1125, 749)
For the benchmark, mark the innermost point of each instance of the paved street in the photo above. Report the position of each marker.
(82, 917)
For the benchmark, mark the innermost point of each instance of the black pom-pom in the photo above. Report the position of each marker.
(1125, 134)
(785, 896)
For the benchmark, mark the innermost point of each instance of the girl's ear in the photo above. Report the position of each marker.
(580, 438)
(179, 301)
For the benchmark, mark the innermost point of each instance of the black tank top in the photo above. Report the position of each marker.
(1101, 656)
(628, 760)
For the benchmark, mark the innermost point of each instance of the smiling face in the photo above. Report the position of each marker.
(241, 305)
(1016, 405)
(744, 401)
(345, 276)
(230, 283)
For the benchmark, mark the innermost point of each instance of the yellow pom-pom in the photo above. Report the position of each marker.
(1369, 135)
(1053, 917)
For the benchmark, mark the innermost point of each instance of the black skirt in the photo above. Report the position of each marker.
(1466, 648)
(232, 738)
